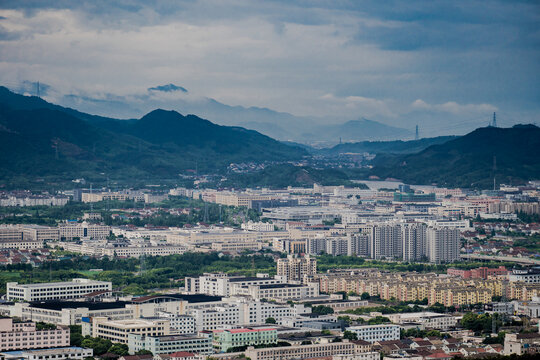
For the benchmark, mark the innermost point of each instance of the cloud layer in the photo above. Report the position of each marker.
(401, 62)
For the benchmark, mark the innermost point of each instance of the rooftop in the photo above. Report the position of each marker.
(196, 298)
(91, 305)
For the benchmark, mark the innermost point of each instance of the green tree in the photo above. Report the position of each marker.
(119, 349)
(350, 335)
(100, 346)
(75, 333)
(143, 352)
(270, 320)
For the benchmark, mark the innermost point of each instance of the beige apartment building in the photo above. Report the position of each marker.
(24, 336)
(309, 351)
(239, 199)
(296, 268)
(118, 330)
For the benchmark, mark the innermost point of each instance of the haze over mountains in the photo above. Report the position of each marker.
(38, 139)
(278, 125)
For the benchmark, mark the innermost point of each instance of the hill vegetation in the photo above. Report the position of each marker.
(468, 161)
(39, 139)
(390, 147)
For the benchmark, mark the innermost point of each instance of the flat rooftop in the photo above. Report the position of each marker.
(91, 305)
(250, 278)
(191, 298)
(61, 283)
(276, 286)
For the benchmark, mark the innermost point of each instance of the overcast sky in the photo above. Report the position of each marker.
(392, 61)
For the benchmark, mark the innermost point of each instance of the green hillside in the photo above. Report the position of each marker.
(467, 161)
(39, 139)
(393, 147)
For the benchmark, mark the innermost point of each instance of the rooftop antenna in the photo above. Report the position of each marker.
(494, 120)
(416, 136)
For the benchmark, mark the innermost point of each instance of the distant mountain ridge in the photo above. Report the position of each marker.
(473, 160)
(42, 139)
(279, 125)
(390, 147)
(361, 130)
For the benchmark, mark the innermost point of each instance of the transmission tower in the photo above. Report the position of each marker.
(416, 137)
(494, 120)
(37, 90)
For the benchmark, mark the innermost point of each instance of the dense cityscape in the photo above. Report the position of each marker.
(381, 269)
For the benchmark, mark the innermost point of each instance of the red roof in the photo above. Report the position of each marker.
(182, 354)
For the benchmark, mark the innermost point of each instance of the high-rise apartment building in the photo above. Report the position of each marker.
(294, 268)
(442, 245)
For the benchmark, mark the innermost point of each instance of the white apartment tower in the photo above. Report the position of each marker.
(413, 237)
(442, 245)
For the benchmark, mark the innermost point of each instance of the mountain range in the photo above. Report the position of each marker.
(41, 140)
(321, 131)
(389, 147)
(38, 138)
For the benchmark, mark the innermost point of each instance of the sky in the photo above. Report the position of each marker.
(445, 64)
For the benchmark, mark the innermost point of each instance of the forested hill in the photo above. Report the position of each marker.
(39, 139)
(468, 161)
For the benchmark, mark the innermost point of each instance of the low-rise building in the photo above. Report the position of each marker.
(76, 353)
(55, 290)
(373, 333)
(304, 351)
(429, 320)
(68, 312)
(528, 276)
(223, 340)
(520, 344)
(182, 324)
(118, 330)
(170, 343)
(23, 335)
(279, 292)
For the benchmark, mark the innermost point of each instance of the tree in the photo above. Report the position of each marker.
(75, 335)
(100, 346)
(44, 326)
(350, 335)
(270, 320)
(365, 296)
(143, 352)
(322, 310)
(119, 349)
